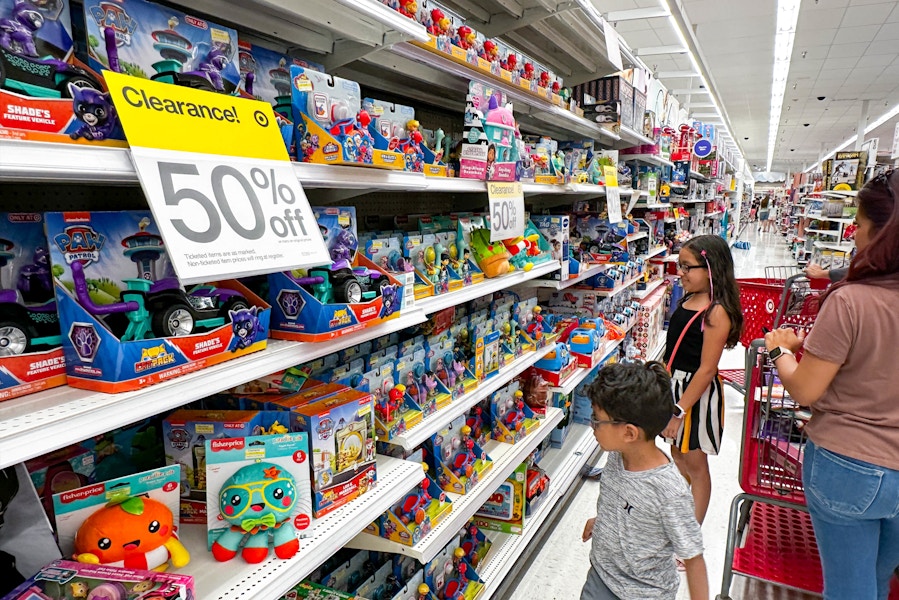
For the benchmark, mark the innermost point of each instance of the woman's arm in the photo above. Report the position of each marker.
(806, 381)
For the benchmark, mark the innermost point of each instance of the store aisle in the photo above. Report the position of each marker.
(559, 569)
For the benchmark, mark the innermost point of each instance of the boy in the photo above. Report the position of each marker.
(644, 515)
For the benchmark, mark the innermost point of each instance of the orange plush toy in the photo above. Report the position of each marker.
(136, 534)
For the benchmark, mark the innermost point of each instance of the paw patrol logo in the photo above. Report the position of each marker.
(85, 340)
(113, 16)
(80, 243)
(179, 438)
(291, 303)
(341, 318)
(153, 358)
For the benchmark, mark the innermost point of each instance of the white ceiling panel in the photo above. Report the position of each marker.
(813, 19)
(872, 14)
(849, 35)
(888, 31)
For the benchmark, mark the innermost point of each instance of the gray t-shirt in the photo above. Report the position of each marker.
(643, 520)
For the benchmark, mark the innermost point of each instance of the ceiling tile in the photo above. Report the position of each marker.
(882, 47)
(813, 36)
(820, 18)
(879, 60)
(849, 35)
(846, 50)
(839, 63)
(889, 31)
(873, 14)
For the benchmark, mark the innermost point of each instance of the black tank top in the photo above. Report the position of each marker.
(689, 353)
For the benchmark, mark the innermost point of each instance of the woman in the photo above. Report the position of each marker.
(848, 377)
(763, 212)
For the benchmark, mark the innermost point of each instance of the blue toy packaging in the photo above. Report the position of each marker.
(265, 75)
(46, 93)
(555, 229)
(67, 580)
(330, 125)
(450, 575)
(31, 356)
(490, 148)
(271, 471)
(125, 320)
(351, 293)
(456, 461)
(157, 42)
(512, 418)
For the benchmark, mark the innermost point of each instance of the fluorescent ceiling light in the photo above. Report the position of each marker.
(389, 17)
(784, 36)
(893, 112)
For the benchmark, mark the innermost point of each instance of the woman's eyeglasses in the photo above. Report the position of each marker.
(684, 268)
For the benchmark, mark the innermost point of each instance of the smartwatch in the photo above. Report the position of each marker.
(776, 353)
(679, 411)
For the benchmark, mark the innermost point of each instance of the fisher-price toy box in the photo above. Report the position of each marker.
(157, 42)
(342, 445)
(31, 356)
(67, 580)
(125, 320)
(330, 126)
(504, 510)
(46, 93)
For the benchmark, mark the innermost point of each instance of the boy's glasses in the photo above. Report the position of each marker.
(597, 423)
(683, 268)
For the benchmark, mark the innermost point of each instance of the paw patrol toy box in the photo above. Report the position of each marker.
(67, 580)
(31, 356)
(157, 42)
(320, 303)
(126, 322)
(46, 93)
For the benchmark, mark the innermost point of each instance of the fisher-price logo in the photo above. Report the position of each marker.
(113, 16)
(227, 444)
(80, 243)
(94, 490)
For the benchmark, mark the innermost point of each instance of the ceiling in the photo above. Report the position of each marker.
(845, 51)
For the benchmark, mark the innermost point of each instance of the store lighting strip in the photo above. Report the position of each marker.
(385, 15)
(784, 36)
(893, 112)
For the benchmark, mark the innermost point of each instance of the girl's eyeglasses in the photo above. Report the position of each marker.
(687, 268)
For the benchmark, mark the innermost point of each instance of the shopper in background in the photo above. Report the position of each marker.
(754, 208)
(764, 210)
(848, 377)
(644, 515)
(707, 320)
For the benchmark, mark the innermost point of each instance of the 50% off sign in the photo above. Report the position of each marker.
(218, 181)
(506, 209)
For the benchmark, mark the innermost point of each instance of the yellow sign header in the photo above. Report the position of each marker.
(173, 117)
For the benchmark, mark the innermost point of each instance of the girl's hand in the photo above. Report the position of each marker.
(784, 337)
(670, 431)
(588, 529)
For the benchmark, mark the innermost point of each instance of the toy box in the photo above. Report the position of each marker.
(555, 229)
(62, 470)
(352, 571)
(395, 411)
(315, 591)
(126, 322)
(341, 431)
(244, 473)
(449, 575)
(387, 253)
(160, 43)
(490, 140)
(123, 511)
(68, 580)
(422, 387)
(46, 93)
(457, 462)
(504, 511)
(396, 123)
(185, 433)
(31, 356)
(330, 125)
(269, 75)
(475, 544)
(325, 302)
(512, 418)
(556, 365)
(586, 346)
(413, 517)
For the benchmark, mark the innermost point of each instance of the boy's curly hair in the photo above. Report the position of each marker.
(639, 394)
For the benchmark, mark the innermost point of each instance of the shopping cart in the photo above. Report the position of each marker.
(761, 299)
(770, 535)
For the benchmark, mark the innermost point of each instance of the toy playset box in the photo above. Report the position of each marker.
(130, 521)
(512, 418)
(69, 580)
(555, 229)
(321, 303)
(397, 124)
(46, 93)
(315, 591)
(341, 431)
(395, 410)
(450, 575)
(157, 42)
(184, 435)
(456, 460)
(413, 517)
(490, 146)
(504, 510)
(556, 365)
(265, 75)
(330, 125)
(259, 496)
(126, 322)
(31, 356)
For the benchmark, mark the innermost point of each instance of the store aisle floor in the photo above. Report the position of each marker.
(558, 570)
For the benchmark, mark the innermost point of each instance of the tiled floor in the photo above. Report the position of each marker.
(559, 569)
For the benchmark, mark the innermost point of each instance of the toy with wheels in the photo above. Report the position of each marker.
(339, 282)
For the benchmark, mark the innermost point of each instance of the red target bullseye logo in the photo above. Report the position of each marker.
(769, 305)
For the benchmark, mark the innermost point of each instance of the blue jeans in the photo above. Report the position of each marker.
(855, 512)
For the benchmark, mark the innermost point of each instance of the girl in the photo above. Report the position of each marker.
(707, 320)
(764, 211)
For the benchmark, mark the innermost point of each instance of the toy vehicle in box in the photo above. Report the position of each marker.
(556, 365)
(512, 418)
(449, 575)
(125, 320)
(31, 356)
(457, 461)
(586, 345)
(535, 488)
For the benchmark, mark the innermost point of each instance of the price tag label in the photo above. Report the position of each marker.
(506, 209)
(218, 181)
(613, 194)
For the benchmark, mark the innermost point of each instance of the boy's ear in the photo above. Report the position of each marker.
(632, 433)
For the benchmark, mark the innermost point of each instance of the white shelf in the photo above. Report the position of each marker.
(39, 423)
(650, 288)
(699, 176)
(824, 232)
(659, 350)
(438, 303)
(671, 258)
(714, 213)
(586, 273)
(610, 293)
(658, 206)
(428, 427)
(275, 577)
(581, 373)
(562, 465)
(630, 135)
(654, 252)
(843, 247)
(506, 457)
(650, 159)
(636, 236)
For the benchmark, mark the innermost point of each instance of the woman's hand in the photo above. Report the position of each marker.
(784, 337)
(814, 271)
(670, 431)
(588, 529)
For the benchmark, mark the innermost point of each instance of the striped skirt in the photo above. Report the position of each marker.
(704, 423)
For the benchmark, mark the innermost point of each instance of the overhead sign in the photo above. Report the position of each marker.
(506, 209)
(613, 47)
(702, 148)
(218, 179)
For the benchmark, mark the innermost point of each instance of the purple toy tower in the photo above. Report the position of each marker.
(144, 249)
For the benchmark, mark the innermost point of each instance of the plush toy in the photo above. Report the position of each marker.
(257, 501)
(492, 257)
(137, 533)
